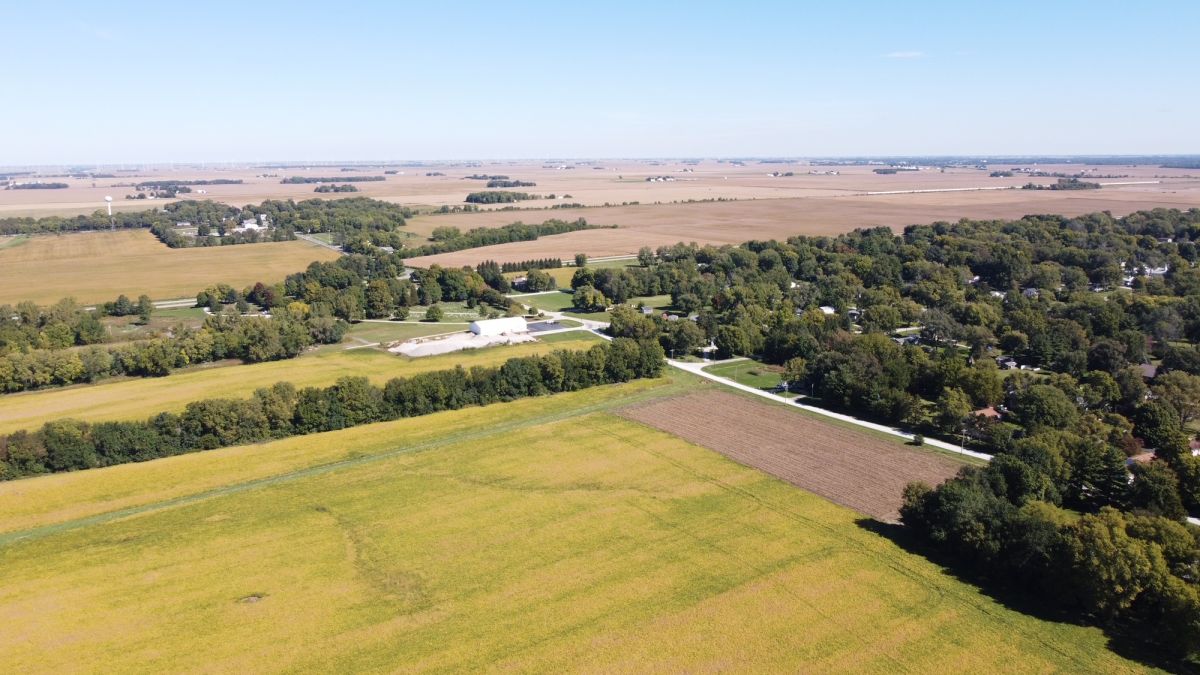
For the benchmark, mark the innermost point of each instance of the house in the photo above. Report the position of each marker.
(827, 310)
(647, 311)
(1031, 293)
(1006, 362)
(1149, 370)
(1194, 446)
(490, 327)
(988, 413)
(1157, 271)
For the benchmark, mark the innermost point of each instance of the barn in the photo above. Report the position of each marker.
(487, 327)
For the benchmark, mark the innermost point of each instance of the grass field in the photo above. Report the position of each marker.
(394, 331)
(748, 372)
(99, 266)
(139, 398)
(544, 535)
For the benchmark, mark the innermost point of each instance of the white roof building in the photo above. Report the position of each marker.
(511, 324)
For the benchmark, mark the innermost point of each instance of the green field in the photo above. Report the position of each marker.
(748, 372)
(139, 398)
(541, 535)
(393, 331)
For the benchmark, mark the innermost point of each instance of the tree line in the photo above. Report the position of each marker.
(301, 180)
(328, 187)
(283, 410)
(502, 183)
(488, 236)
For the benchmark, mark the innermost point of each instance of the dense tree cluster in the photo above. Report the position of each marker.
(282, 410)
(502, 183)
(1064, 184)
(327, 187)
(498, 197)
(63, 325)
(483, 176)
(227, 335)
(1133, 572)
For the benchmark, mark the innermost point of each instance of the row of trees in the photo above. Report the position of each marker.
(282, 410)
(335, 188)
(450, 239)
(504, 183)
(301, 180)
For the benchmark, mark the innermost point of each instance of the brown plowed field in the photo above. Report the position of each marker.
(857, 470)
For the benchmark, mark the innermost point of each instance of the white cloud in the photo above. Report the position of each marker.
(904, 55)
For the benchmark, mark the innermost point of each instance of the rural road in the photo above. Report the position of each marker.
(313, 240)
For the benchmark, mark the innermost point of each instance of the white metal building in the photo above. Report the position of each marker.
(512, 324)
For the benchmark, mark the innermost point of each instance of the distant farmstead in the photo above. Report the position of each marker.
(490, 327)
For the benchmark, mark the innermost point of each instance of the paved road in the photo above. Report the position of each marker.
(313, 240)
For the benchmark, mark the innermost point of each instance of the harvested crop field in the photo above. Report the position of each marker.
(99, 266)
(732, 222)
(854, 469)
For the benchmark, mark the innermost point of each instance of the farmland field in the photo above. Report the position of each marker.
(845, 466)
(98, 266)
(139, 398)
(537, 535)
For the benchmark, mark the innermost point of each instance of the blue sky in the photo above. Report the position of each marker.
(215, 81)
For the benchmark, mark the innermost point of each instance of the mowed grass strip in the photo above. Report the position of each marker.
(588, 543)
(98, 266)
(139, 398)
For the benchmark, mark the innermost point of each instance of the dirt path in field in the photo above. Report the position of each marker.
(845, 466)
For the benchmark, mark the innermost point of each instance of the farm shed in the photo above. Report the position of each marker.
(512, 324)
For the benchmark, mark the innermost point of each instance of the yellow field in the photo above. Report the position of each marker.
(545, 537)
(99, 266)
(140, 398)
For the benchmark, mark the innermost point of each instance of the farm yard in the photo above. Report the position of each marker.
(98, 266)
(846, 466)
(525, 536)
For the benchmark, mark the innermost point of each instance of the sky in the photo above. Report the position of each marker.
(126, 82)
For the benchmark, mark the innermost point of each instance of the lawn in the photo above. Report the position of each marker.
(549, 302)
(452, 312)
(98, 266)
(395, 331)
(748, 372)
(542, 535)
(139, 398)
